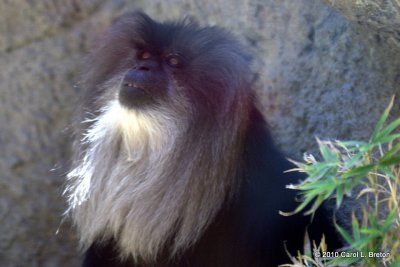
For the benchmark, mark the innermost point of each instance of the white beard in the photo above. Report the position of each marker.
(122, 186)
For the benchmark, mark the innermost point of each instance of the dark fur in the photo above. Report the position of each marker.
(224, 177)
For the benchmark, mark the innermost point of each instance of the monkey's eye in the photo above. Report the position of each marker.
(175, 60)
(144, 54)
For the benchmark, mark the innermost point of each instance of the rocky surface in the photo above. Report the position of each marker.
(317, 73)
(382, 16)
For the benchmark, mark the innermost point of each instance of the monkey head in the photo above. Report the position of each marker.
(188, 69)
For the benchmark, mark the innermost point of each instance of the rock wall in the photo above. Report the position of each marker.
(381, 16)
(317, 72)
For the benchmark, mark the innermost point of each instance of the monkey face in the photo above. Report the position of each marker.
(150, 78)
(144, 83)
(181, 66)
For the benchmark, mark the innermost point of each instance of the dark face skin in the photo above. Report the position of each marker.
(148, 80)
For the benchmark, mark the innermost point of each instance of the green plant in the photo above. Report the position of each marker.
(369, 171)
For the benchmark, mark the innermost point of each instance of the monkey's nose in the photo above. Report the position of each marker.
(132, 92)
(148, 65)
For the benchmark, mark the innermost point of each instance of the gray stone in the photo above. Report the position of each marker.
(382, 16)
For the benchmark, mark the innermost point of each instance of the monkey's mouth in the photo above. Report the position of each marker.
(132, 86)
(133, 95)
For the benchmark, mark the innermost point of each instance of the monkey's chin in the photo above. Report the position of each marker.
(131, 96)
